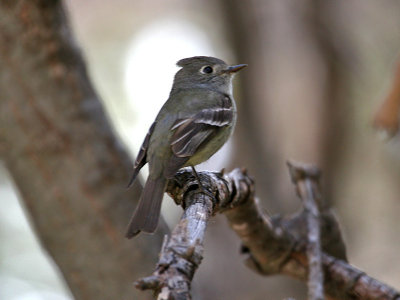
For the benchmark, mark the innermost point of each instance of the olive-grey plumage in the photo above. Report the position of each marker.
(193, 124)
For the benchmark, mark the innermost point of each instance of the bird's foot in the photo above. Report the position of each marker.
(201, 188)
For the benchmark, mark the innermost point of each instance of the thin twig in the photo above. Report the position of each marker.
(306, 178)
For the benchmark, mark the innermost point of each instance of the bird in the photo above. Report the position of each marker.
(194, 123)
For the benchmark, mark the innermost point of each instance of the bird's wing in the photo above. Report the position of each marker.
(191, 133)
(141, 159)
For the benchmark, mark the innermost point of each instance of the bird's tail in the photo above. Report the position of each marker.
(147, 213)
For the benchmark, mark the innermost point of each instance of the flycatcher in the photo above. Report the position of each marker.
(194, 123)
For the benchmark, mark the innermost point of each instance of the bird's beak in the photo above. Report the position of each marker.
(234, 69)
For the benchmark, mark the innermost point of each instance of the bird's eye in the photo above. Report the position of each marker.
(207, 70)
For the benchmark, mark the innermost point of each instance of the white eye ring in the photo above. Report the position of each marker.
(207, 70)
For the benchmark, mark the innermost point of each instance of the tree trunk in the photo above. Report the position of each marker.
(70, 169)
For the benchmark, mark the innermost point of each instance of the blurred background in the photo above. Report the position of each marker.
(318, 71)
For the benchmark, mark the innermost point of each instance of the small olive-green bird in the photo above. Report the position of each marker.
(194, 123)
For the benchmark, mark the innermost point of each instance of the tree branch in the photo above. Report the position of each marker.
(276, 245)
(182, 253)
(272, 245)
(306, 179)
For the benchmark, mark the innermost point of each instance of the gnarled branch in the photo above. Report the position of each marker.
(272, 245)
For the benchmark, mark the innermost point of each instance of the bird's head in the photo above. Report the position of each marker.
(205, 72)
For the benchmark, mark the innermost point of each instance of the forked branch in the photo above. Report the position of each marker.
(271, 244)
